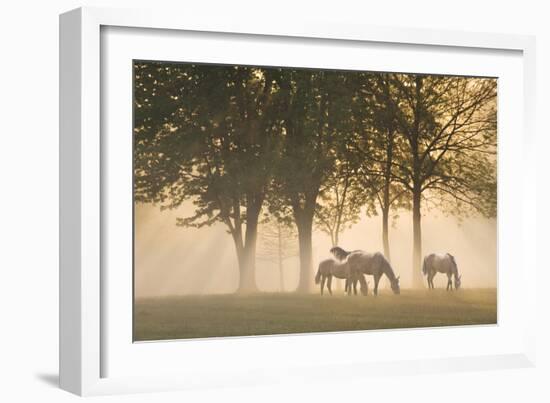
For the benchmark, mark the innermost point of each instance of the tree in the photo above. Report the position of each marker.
(376, 150)
(277, 242)
(315, 106)
(199, 133)
(339, 203)
(449, 124)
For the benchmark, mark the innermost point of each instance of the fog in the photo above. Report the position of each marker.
(172, 260)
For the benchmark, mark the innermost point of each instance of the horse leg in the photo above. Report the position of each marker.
(329, 284)
(431, 281)
(376, 280)
(354, 286)
(349, 284)
(363, 284)
(322, 284)
(449, 283)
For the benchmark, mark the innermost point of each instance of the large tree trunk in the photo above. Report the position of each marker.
(247, 260)
(386, 196)
(417, 188)
(417, 240)
(385, 232)
(247, 271)
(305, 229)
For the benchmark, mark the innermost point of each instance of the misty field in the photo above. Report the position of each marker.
(275, 313)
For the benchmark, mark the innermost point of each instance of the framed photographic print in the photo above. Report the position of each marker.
(237, 197)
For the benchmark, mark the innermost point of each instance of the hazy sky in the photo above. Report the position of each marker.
(171, 260)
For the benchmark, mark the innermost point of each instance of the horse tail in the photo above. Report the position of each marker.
(425, 265)
(318, 275)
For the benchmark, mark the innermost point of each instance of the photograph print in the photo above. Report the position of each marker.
(280, 200)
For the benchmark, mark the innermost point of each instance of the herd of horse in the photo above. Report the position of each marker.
(352, 266)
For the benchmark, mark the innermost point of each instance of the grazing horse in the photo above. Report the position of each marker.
(441, 263)
(331, 268)
(374, 264)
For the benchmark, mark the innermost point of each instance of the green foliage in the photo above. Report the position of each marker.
(449, 152)
(203, 133)
(221, 133)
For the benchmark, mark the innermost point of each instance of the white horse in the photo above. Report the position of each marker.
(441, 263)
(374, 264)
(331, 268)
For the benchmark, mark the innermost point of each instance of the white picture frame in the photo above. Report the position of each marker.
(86, 346)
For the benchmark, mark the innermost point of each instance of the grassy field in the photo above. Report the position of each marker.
(259, 314)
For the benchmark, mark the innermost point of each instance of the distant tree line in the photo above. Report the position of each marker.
(308, 147)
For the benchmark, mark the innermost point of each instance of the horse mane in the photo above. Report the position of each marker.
(454, 263)
(388, 270)
(341, 254)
